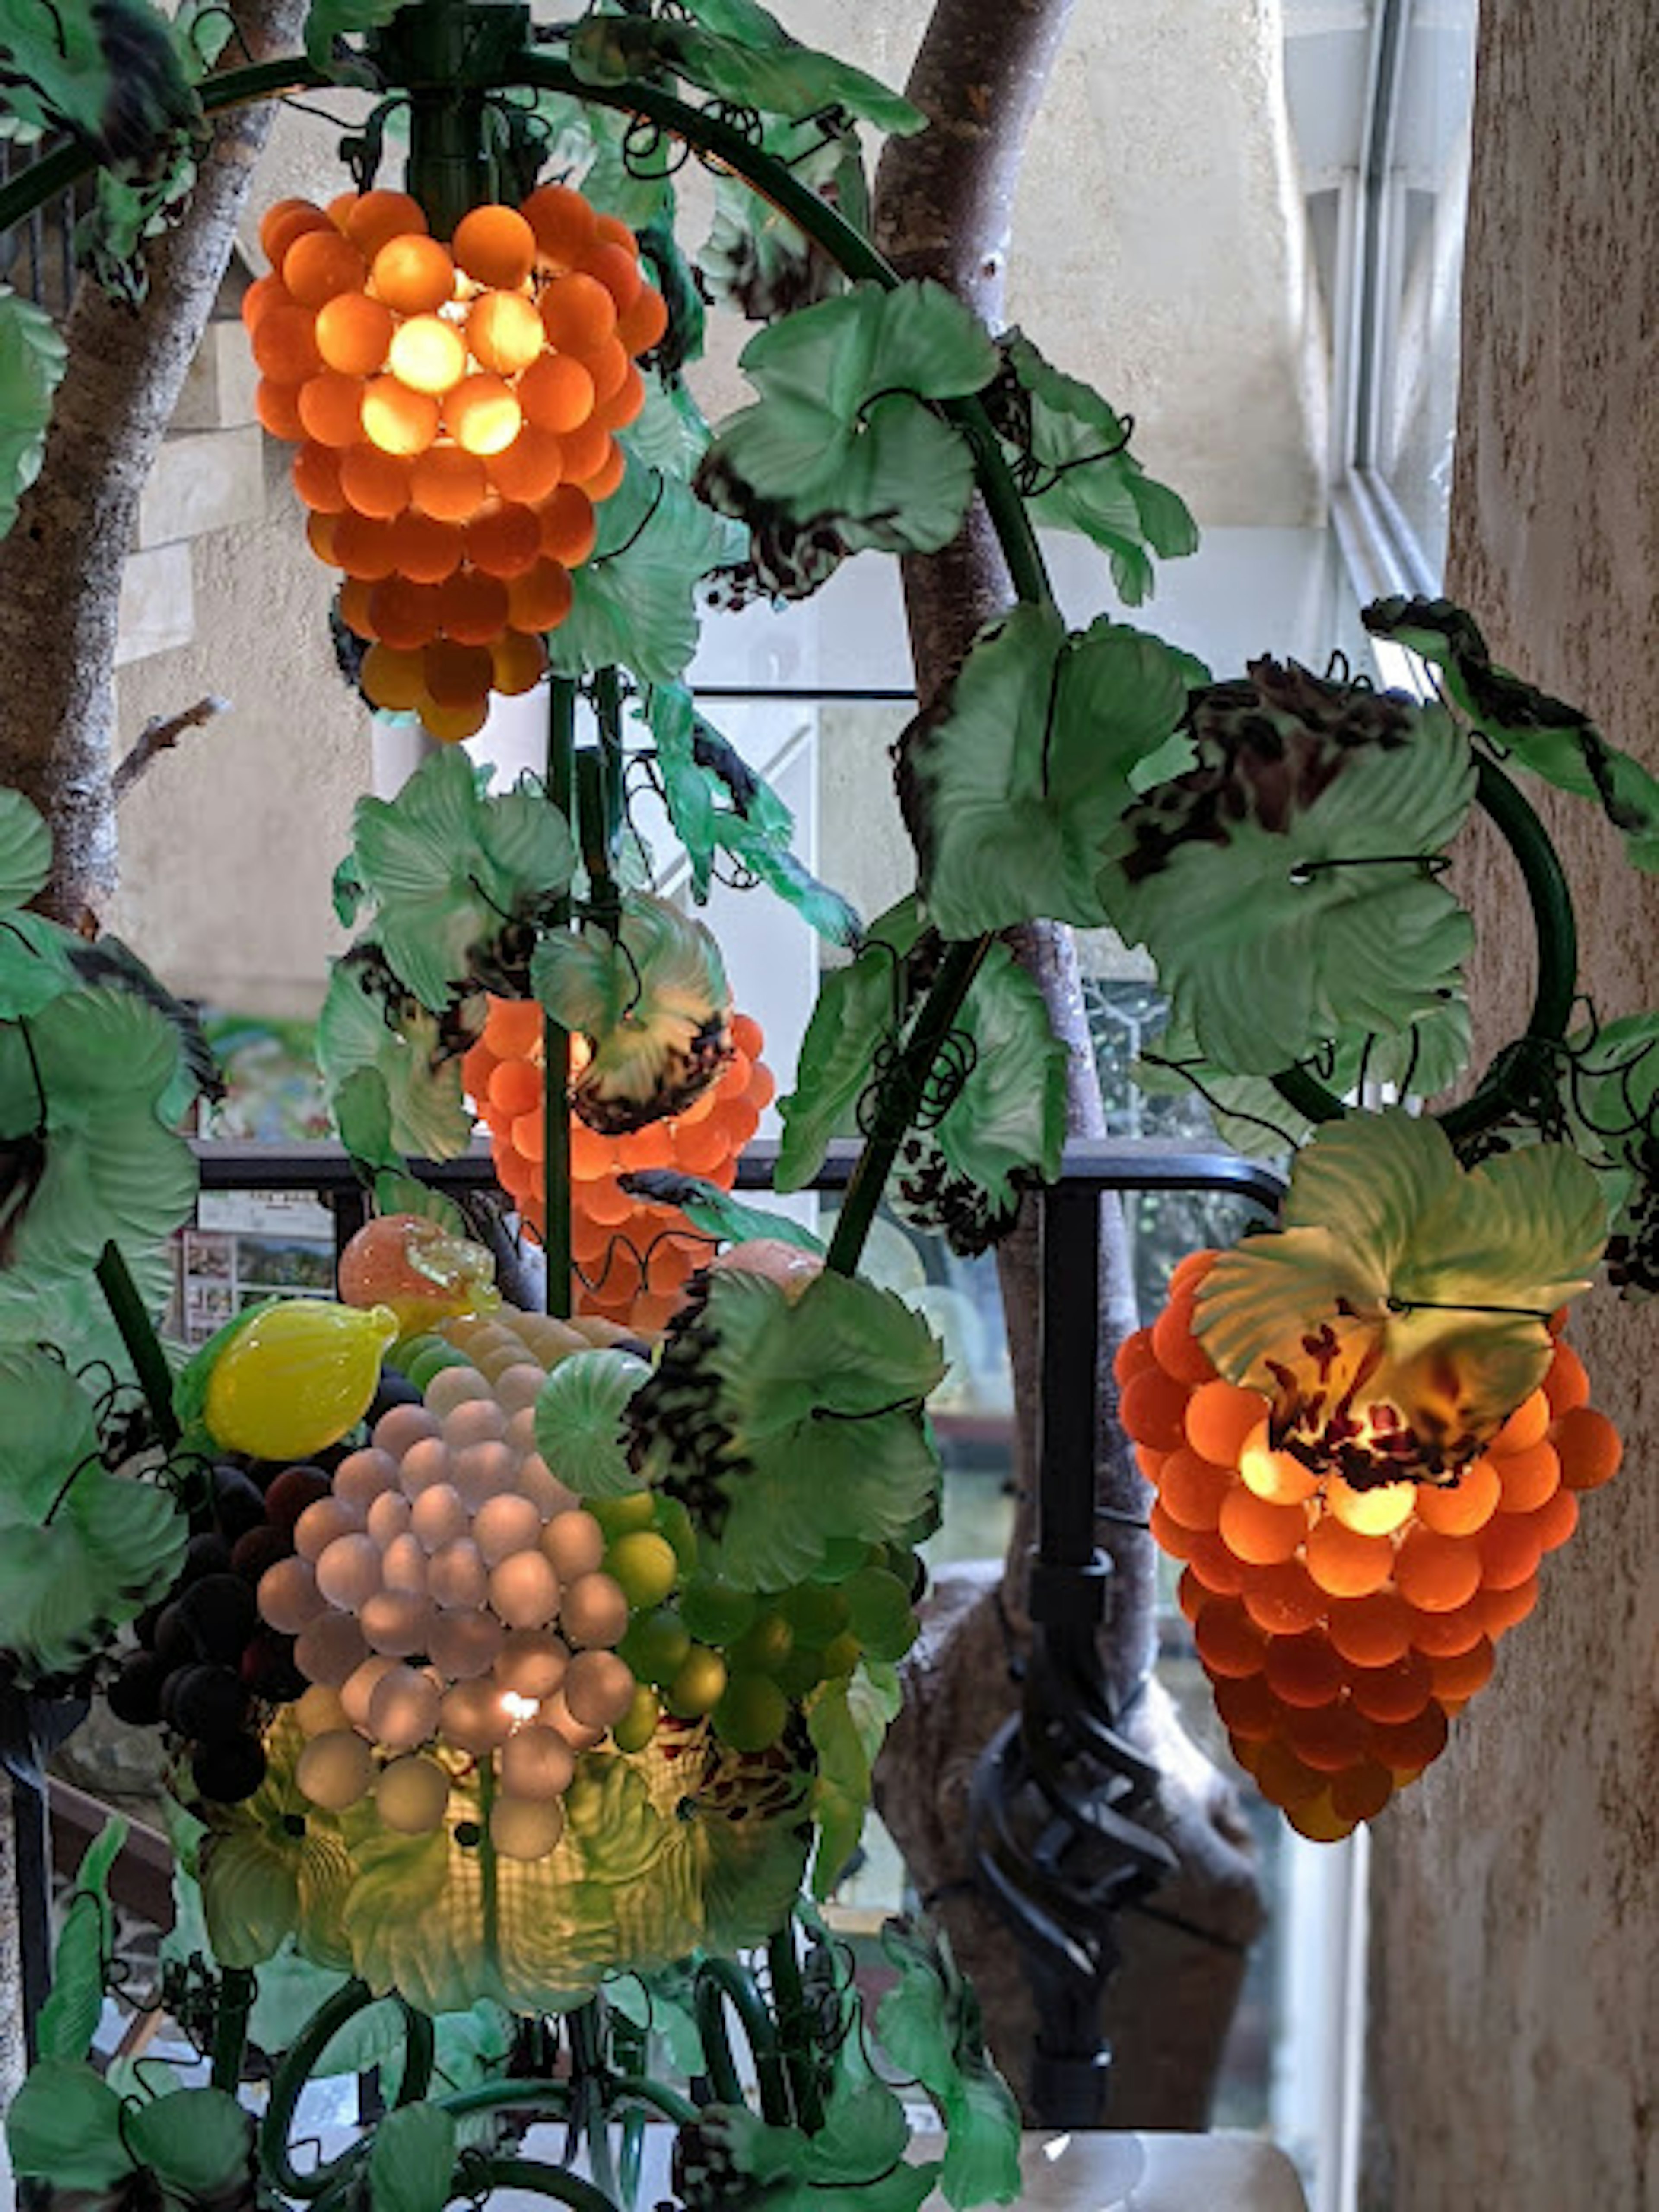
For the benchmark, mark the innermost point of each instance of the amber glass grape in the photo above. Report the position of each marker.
(264, 293)
(281, 225)
(413, 274)
(645, 323)
(429, 354)
(505, 540)
(474, 608)
(1152, 1407)
(519, 662)
(396, 419)
(364, 547)
(392, 680)
(1345, 1563)
(323, 536)
(1192, 1488)
(449, 485)
(354, 598)
(578, 313)
(456, 673)
(608, 366)
(1463, 1508)
(483, 416)
(1370, 1632)
(541, 597)
(618, 271)
(504, 332)
(285, 344)
(495, 246)
(353, 334)
(529, 468)
(374, 482)
(1262, 1534)
(406, 615)
(1437, 1573)
(625, 405)
(556, 393)
(425, 549)
(454, 725)
(317, 478)
(1588, 1447)
(378, 217)
(601, 481)
(1220, 1418)
(569, 526)
(320, 265)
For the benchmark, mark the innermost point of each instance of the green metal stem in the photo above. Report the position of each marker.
(900, 1098)
(639, 2089)
(795, 2029)
(1509, 1081)
(555, 1039)
(552, 2097)
(288, 2084)
(629, 2159)
(236, 1994)
(590, 2079)
(721, 1982)
(139, 1335)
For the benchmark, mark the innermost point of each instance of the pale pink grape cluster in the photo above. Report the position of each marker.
(449, 1606)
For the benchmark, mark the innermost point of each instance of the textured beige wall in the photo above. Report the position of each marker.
(1516, 2019)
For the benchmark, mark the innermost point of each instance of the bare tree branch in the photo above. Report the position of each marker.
(160, 735)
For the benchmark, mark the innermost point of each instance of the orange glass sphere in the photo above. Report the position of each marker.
(448, 484)
(396, 419)
(354, 334)
(495, 246)
(378, 217)
(483, 416)
(563, 224)
(504, 332)
(413, 274)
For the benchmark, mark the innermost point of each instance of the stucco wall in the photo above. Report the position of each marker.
(1516, 2001)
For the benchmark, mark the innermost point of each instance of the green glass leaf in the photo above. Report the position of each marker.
(756, 64)
(412, 2161)
(634, 603)
(275, 1866)
(715, 1212)
(931, 2026)
(1012, 780)
(130, 203)
(840, 438)
(456, 875)
(65, 2128)
(36, 964)
(1088, 479)
(32, 361)
(1405, 1298)
(69, 2019)
(859, 1007)
(106, 960)
(821, 907)
(25, 839)
(579, 1421)
(198, 2143)
(1007, 1123)
(756, 259)
(809, 1412)
(1289, 890)
(653, 1003)
(111, 76)
(857, 2156)
(81, 1550)
(1424, 1059)
(1549, 738)
(421, 1075)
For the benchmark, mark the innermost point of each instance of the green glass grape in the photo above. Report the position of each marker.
(815, 1611)
(675, 1522)
(657, 1645)
(880, 1614)
(714, 1611)
(645, 1565)
(700, 1684)
(844, 1556)
(634, 1730)
(618, 1516)
(752, 1714)
(765, 1646)
(800, 1673)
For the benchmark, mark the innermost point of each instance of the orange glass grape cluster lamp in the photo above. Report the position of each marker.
(634, 1256)
(1361, 1488)
(455, 405)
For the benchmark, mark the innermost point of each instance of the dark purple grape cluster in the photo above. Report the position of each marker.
(207, 1667)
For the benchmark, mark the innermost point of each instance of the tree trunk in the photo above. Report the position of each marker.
(944, 209)
(60, 569)
(60, 588)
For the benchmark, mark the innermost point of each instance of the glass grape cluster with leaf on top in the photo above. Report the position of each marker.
(517, 1669)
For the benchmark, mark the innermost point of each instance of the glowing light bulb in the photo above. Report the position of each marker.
(427, 353)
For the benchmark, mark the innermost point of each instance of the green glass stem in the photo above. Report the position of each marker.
(289, 2083)
(900, 1100)
(722, 1981)
(143, 1347)
(1509, 1081)
(795, 2029)
(560, 784)
(590, 2079)
(237, 1991)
